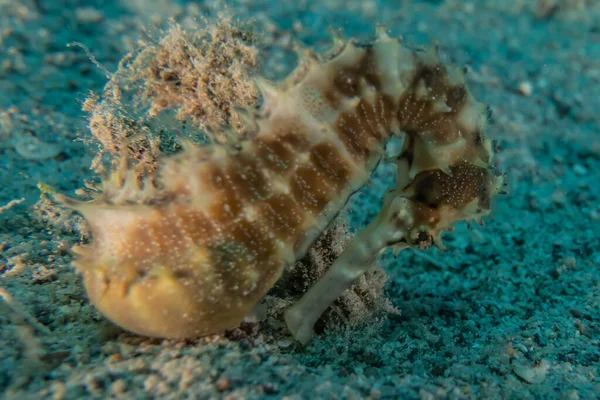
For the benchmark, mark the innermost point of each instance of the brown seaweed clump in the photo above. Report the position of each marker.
(185, 81)
(203, 75)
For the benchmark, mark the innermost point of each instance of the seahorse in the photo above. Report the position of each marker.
(193, 254)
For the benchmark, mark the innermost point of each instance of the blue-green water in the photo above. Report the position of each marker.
(510, 311)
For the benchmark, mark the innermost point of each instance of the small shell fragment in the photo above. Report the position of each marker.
(532, 373)
(32, 148)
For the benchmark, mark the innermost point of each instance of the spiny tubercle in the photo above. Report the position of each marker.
(194, 255)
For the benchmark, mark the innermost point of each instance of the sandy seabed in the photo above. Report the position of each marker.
(512, 310)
